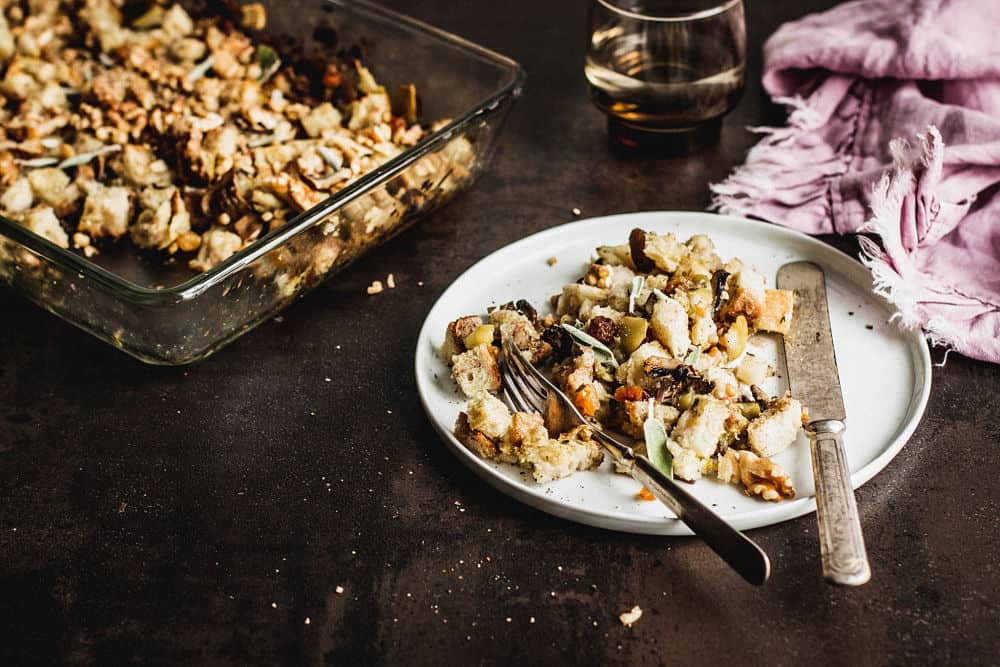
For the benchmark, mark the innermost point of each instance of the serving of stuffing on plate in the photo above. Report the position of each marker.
(652, 339)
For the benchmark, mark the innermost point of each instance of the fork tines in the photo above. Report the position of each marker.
(521, 387)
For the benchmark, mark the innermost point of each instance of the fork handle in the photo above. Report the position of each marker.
(738, 550)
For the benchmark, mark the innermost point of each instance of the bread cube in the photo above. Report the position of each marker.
(477, 370)
(777, 428)
(669, 323)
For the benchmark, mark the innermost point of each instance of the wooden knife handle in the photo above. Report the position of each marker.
(842, 546)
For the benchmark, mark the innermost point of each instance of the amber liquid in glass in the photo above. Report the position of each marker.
(666, 79)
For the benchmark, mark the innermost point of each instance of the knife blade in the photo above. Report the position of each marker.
(814, 380)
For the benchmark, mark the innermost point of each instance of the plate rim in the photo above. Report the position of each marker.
(642, 524)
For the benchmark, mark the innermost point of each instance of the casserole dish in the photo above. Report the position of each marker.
(163, 313)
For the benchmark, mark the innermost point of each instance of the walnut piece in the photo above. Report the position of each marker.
(759, 476)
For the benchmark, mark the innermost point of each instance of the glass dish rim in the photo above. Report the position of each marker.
(197, 284)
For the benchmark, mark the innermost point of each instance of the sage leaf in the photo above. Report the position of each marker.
(655, 436)
(600, 349)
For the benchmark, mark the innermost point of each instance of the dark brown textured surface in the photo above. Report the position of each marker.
(156, 516)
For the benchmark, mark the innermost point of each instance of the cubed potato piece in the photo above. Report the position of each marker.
(106, 211)
(43, 221)
(550, 459)
(775, 430)
(324, 117)
(752, 370)
(488, 415)
(669, 322)
(700, 428)
(665, 251)
(477, 370)
(456, 332)
(18, 198)
(776, 315)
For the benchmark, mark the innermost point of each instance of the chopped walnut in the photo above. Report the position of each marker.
(758, 475)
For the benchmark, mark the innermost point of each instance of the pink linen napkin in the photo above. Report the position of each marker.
(894, 132)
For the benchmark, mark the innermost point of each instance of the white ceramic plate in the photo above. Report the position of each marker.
(885, 372)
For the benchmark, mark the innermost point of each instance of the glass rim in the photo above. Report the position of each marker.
(709, 12)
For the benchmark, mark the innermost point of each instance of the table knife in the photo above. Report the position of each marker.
(813, 378)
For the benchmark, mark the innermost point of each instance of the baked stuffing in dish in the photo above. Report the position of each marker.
(652, 343)
(192, 136)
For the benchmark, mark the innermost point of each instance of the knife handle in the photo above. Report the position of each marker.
(842, 546)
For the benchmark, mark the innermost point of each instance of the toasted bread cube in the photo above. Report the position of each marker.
(549, 459)
(776, 315)
(700, 428)
(488, 415)
(775, 430)
(217, 245)
(665, 251)
(456, 333)
(524, 427)
(747, 295)
(634, 414)
(49, 185)
(669, 322)
(616, 255)
(475, 440)
(577, 300)
(324, 117)
(43, 221)
(18, 198)
(106, 211)
(686, 464)
(523, 333)
(633, 371)
(477, 370)
(726, 386)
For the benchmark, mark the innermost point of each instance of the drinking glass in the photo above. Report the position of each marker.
(665, 71)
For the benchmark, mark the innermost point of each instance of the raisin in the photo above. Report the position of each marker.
(603, 329)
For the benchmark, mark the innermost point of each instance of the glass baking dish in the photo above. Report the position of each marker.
(164, 314)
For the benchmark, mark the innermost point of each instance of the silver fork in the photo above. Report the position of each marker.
(528, 390)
